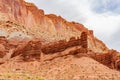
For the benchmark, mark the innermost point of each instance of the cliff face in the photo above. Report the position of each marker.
(19, 19)
(20, 12)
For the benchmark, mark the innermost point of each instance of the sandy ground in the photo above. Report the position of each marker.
(62, 68)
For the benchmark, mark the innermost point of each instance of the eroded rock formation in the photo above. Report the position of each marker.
(3, 46)
(116, 61)
(2, 51)
(33, 48)
(84, 40)
(20, 19)
(22, 22)
(29, 50)
(63, 44)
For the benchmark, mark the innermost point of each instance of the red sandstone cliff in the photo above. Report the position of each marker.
(27, 34)
(19, 19)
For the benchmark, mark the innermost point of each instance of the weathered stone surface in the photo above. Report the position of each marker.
(19, 18)
(61, 45)
(3, 46)
(84, 40)
(80, 50)
(29, 50)
(3, 40)
(104, 58)
(116, 60)
(2, 51)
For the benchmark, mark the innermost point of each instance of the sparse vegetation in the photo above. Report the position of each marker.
(18, 76)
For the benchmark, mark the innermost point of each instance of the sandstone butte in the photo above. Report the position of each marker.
(28, 34)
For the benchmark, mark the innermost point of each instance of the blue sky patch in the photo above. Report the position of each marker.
(102, 6)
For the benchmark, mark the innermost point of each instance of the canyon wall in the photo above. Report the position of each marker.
(23, 20)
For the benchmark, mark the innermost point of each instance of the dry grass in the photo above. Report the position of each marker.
(18, 76)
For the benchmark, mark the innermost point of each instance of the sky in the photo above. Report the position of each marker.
(102, 16)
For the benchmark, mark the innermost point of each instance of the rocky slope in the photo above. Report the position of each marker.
(24, 20)
(61, 68)
(34, 45)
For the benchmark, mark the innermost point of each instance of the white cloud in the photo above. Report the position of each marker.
(94, 14)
